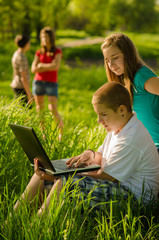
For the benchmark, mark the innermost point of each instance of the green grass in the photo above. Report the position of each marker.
(76, 87)
(71, 33)
(147, 44)
(83, 52)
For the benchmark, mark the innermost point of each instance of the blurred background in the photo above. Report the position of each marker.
(96, 17)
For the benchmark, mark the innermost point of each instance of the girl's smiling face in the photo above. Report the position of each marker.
(115, 59)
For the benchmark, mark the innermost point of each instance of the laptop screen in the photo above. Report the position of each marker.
(31, 145)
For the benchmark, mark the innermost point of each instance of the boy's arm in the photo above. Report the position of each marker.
(90, 157)
(26, 87)
(86, 158)
(100, 175)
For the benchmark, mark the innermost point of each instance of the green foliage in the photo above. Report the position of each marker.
(147, 44)
(143, 13)
(114, 18)
(6, 50)
(72, 218)
(132, 15)
(88, 15)
(56, 13)
(83, 52)
(95, 17)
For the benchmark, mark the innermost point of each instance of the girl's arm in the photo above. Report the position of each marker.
(54, 65)
(34, 66)
(152, 85)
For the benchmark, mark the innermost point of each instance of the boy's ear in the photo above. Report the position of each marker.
(122, 108)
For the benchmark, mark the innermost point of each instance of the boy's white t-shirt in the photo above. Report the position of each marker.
(131, 157)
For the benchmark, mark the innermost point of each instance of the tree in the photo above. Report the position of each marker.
(95, 16)
(54, 13)
(118, 16)
(7, 18)
(144, 16)
(88, 15)
(132, 15)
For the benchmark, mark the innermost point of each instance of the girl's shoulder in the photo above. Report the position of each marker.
(142, 75)
(38, 52)
(58, 50)
(144, 70)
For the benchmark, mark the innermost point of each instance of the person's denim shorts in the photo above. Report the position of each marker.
(41, 88)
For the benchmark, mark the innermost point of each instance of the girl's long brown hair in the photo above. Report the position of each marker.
(132, 60)
(51, 35)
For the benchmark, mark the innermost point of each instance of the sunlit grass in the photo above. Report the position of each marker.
(69, 219)
(81, 131)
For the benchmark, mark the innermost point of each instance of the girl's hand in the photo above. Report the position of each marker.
(39, 65)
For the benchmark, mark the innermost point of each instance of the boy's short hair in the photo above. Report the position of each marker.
(113, 95)
(21, 40)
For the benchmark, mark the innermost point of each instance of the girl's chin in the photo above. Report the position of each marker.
(118, 73)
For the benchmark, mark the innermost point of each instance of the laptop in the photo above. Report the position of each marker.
(33, 148)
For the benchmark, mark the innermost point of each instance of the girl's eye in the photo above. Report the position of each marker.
(114, 58)
(109, 61)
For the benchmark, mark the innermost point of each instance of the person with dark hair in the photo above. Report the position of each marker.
(128, 158)
(21, 73)
(45, 66)
(123, 64)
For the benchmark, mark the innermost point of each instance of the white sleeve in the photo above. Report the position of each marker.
(105, 143)
(123, 161)
(101, 148)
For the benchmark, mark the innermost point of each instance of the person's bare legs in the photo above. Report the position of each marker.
(52, 106)
(55, 188)
(35, 187)
(40, 103)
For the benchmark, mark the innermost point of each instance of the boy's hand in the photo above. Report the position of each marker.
(84, 159)
(42, 175)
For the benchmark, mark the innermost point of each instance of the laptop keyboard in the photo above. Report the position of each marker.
(60, 164)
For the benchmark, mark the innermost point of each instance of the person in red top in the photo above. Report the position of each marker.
(45, 65)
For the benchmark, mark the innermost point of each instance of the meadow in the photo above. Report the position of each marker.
(69, 219)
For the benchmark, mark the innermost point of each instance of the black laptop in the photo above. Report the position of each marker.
(33, 148)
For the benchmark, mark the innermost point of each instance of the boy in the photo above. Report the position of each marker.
(128, 156)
